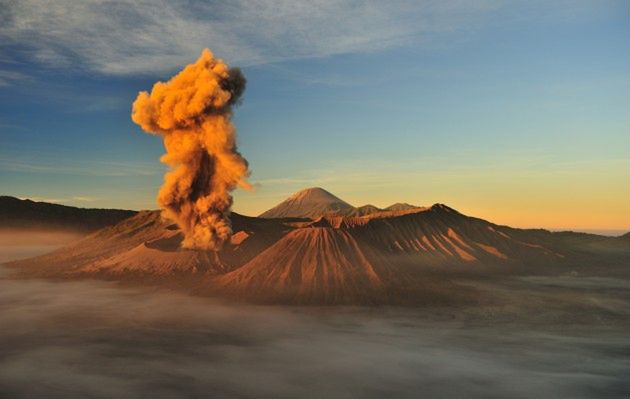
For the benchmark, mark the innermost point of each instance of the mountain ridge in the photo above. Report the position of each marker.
(394, 257)
(373, 259)
(25, 214)
(314, 202)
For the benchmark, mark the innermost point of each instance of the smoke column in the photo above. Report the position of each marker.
(192, 112)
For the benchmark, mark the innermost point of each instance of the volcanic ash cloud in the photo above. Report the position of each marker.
(192, 112)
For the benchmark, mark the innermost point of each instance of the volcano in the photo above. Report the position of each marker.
(387, 256)
(310, 203)
(316, 202)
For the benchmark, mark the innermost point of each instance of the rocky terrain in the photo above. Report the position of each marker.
(404, 255)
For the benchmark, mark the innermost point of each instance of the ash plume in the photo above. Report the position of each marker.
(192, 112)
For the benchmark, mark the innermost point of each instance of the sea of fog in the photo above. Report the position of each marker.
(91, 339)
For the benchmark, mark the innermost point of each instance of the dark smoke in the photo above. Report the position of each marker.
(235, 84)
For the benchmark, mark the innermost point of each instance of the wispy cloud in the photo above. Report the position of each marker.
(10, 77)
(58, 200)
(44, 199)
(79, 168)
(130, 37)
(84, 199)
(55, 200)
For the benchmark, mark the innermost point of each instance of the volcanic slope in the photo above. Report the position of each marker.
(312, 265)
(386, 258)
(326, 261)
(389, 257)
(147, 247)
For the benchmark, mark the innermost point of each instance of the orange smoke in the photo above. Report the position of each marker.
(192, 112)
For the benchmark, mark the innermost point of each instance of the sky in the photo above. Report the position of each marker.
(516, 112)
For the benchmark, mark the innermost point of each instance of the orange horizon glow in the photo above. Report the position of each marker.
(572, 211)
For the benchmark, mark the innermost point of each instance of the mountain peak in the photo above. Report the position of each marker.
(315, 194)
(401, 206)
(442, 207)
(311, 202)
(315, 202)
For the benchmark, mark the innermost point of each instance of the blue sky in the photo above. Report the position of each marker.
(517, 112)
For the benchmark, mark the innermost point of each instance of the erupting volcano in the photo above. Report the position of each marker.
(192, 112)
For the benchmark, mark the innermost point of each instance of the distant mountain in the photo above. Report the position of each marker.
(384, 257)
(26, 214)
(363, 210)
(401, 206)
(310, 203)
(316, 202)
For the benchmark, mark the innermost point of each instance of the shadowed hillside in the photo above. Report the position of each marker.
(26, 214)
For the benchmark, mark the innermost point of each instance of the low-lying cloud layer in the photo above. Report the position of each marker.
(97, 340)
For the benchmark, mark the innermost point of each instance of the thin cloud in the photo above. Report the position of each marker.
(140, 37)
(44, 199)
(84, 199)
(80, 168)
(55, 200)
(11, 77)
